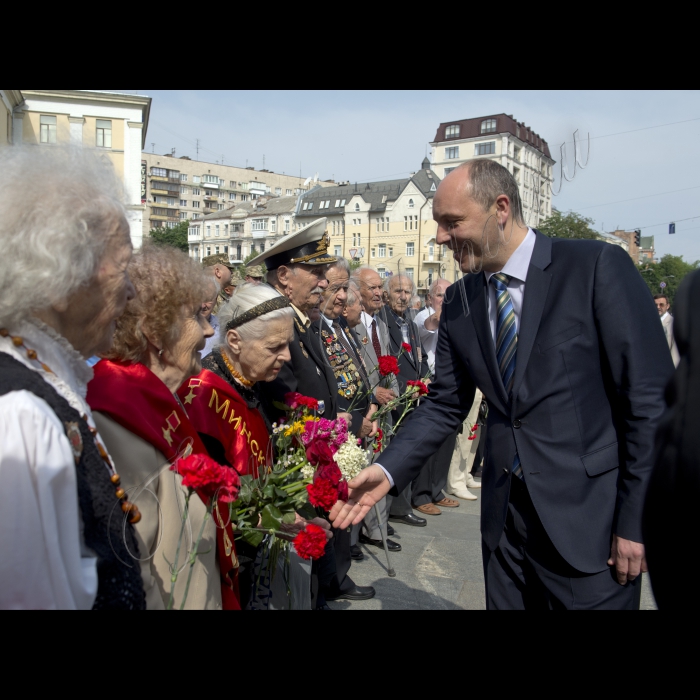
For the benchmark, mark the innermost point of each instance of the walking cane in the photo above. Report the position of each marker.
(391, 572)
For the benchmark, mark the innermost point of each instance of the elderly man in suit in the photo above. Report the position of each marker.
(574, 382)
(297, 267)
(664, 309)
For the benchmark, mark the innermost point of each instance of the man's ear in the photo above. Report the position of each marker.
(283, 274)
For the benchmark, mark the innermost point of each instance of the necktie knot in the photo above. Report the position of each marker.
(500, 281)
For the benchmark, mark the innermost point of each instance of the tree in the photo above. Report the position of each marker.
(355, 264)
(670, 270)
(175, 237)
(250, 256)
(569, 225)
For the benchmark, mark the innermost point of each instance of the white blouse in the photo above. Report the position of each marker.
(44, 563)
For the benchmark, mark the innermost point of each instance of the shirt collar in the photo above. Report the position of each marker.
(519, 262)
(305, 320)
(328, 321)
(664, 316)
(367, 319)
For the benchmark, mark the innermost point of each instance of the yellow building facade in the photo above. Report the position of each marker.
(9, 101)
(113, 124)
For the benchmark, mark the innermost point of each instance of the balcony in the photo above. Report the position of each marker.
(167, 193)
(156, 178)
(260, 234)
(433, 257)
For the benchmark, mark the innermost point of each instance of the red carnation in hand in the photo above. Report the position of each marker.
(388, 364)
(310, 543)
(319, 453)
(422, 388)
(208, 478)
(294, 400)
(406, 347)
(331, 472)
(343, 491)
(322, 494)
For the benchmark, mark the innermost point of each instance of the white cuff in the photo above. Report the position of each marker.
(388, 476)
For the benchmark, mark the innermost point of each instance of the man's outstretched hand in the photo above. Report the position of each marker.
(366, 489)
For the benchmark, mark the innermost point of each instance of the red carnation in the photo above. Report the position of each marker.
(310, 543)
(406, 347)
(388, 364)
(319, 453)
(422, 388)
(331, 472)
(322, 494)
(208, 478)
(292, 399)
(307, 401)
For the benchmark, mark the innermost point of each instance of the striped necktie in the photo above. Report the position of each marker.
(506, 342)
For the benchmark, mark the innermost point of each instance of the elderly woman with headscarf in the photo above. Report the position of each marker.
(66, 529)
(156, 348)
(223, 403)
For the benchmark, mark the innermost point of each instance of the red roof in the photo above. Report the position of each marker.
(505, 124)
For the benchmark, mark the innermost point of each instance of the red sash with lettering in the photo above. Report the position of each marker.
(135, 398)
(216, 409)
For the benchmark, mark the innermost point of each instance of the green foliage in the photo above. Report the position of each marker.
(250, 256)
(671, 269)
(569, 225)
(355, 264)
(175, 237)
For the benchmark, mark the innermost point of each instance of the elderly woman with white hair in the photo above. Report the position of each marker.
(66, 529)
(223, 405)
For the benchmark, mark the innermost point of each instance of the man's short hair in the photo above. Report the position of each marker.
(661, 296)
(488, 180)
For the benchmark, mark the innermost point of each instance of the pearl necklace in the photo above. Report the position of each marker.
(127, 507)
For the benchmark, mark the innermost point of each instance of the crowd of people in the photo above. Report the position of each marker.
(109, 357)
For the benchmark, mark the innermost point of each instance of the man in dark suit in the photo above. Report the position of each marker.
(564, 341)
(670, 514)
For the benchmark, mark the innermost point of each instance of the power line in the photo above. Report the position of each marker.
(634, 199)
(644, 128)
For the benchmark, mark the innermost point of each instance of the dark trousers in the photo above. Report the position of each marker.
(525, 571)
(340, 581)
(428, 485)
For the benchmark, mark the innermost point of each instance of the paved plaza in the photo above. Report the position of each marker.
(438, 569)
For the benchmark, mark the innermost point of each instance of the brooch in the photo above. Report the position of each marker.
(75, 439)
(365, 340)
(303, 350)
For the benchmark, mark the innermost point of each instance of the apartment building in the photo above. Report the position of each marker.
(387, 224)
(181, 189)
(113, 124)
(251, 226)
(9, 101)
(509, 142)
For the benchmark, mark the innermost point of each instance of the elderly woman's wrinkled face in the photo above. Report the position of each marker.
(262, 360)
(94, 310)
(190, 336)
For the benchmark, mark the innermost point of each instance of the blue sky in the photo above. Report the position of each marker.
(372, 135)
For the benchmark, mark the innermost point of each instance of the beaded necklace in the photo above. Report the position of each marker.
(236, 375)
(126, 506)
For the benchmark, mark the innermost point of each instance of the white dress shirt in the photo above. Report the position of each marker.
(428, 338)
(44, 563)
(516, 267)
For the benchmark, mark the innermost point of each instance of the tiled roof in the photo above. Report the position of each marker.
(505, 124)
(273, 206)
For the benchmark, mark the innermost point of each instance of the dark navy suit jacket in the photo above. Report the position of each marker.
(592, 364)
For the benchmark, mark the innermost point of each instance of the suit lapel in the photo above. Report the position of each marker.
(479, 310)
(536, 288)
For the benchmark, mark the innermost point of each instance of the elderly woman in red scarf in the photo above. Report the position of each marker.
(222, 401)
(146, 428)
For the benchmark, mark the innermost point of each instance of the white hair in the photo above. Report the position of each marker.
(341, 264)
(58, 207)
(354, 292)
(435, 285)
(387, 282)
(246, 297)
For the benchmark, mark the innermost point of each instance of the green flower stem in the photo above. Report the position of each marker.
(174, 574)
(292, 470)
(297, 486)
(193, 556)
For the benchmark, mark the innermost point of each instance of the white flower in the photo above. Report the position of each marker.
(308, 471)
(351, 460)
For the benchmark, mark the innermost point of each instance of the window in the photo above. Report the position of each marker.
(278, 191)
(409, 273)
(488, 126)
(516, 153)
(383, 223)
(183, 216)
(196, 190)
(171, 224)
(288, 193)
(183, 202)
(216, 250)
(447, 172)
(411, 204)
(373, 252)
(306, 206)
(337, 251)
(311, 206)
(259, 225)
(171, 202)
(208, 230)
(196, 179)
(452, 152)
(286, 225)
(231, 197)
(207, 193)
(382, 272)
(222, 207)
(410, 223)
(485, 149)
(273, 225)
(262, 247)
(342, 202)
(210, 179)
(391, 252)
(195, 216)
(208, 251)
(226, 249)
(232, 184)
(452, 132)
(195, 205)
(239, 252)
(104, 133)
(357, 206)
(382, 250)
(242, 185)
(328, 203)
(410, 250)
(337, 203)
(245, 197)
(183, 190)
(159, 172)
(48, 129)
(183, 177)
(217, 230)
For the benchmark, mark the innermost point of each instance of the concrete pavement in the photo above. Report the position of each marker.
(438, 569)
